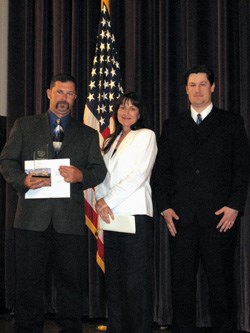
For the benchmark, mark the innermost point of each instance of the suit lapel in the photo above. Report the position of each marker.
(45, 133)
(69, 134)
(209, 125)
(204, 130)
(188, 126)
(126, 142)
(111, 160)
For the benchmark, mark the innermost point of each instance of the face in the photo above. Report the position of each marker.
(127, 115)
(62, 98)
(199, 91)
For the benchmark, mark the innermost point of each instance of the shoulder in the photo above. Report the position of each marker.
(228, 117)
(144, 138)
(32, 120)
(176, 119)
(144, 133)
(84, 128)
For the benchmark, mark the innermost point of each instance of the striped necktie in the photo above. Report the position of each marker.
(199, 119)
(58, 135)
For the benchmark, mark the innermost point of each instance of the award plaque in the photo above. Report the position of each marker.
(40, 155)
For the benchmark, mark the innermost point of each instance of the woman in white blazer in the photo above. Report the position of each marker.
(129, 155)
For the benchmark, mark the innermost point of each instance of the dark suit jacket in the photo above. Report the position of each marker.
(200, 169)
(80, 144)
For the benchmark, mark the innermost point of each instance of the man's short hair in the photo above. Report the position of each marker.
(62, 77)
(200, 69)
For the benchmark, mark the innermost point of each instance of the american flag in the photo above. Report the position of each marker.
(105, 88)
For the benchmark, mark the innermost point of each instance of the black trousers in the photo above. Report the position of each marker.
(216, 250)
(33, 250)
(128, 273)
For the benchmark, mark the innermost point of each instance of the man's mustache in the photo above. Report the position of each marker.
(62, 102)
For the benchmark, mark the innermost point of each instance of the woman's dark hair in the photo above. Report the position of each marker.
(200, 69)
(135, 100)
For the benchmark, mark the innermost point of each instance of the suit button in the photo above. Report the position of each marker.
(197, 171)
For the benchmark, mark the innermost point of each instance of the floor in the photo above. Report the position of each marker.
(89, 326)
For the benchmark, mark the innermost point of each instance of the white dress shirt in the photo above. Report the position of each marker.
(203, 114)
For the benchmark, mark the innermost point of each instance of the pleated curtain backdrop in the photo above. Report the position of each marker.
(157, 41)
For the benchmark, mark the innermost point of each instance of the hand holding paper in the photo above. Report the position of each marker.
(33, 182)
(118, 224)
(71, 174)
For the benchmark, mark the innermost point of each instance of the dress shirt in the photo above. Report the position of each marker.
(203, 114)
(53, 118)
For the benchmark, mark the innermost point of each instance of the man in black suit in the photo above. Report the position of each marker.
(52, 227)
(200, 181)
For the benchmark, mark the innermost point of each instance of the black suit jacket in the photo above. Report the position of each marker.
(200, 169)
(80, 145)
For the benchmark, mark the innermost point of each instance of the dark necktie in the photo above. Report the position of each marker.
(58, 135)
(199, 119)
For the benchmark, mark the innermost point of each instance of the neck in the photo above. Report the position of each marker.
(125, 131)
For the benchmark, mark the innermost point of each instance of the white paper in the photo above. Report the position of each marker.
(58, 189)
(119, 224)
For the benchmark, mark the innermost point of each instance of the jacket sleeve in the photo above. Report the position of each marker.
(11, 163)
(95, 171)
(240, 167)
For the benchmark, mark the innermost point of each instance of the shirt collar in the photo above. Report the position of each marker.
(204, 113)
(53, 118)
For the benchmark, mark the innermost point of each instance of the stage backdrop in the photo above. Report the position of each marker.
(157, 40)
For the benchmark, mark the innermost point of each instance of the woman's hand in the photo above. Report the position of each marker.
(103, 210)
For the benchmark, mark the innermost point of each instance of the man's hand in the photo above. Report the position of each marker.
(169, 214)
(33, 183)
(71, 174)
(103, 210)
(228, 219)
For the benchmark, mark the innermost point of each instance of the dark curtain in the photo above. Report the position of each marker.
(157, 41)
(2, 224)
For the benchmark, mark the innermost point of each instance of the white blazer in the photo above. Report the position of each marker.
(126, 188)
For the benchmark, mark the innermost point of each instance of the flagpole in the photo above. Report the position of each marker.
(104, 90)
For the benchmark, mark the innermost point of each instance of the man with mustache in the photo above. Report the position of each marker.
(51, 230)
(201, 180)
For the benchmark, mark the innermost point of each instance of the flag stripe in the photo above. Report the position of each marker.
(91, 217)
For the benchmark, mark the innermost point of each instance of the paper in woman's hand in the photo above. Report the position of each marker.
(119, 224)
